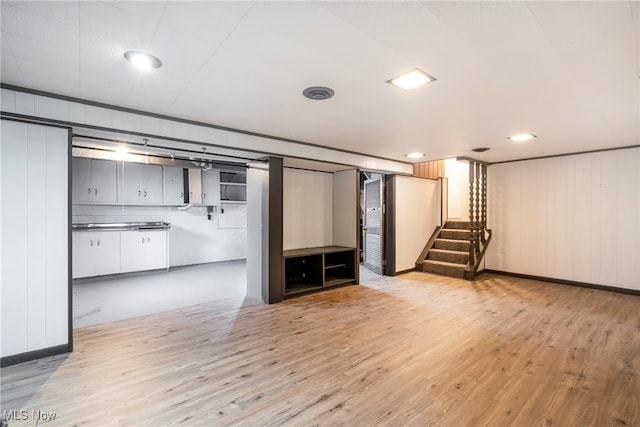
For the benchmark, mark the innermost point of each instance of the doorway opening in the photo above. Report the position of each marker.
(372, 224)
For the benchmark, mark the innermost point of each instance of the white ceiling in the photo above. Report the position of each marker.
(565, 71)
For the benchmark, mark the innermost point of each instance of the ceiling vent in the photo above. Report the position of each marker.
(318, 93)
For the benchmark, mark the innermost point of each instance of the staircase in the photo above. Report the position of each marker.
(449, 253)
(456, 249)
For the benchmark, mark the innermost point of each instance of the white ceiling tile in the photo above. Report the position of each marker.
(180, 53)
(117, 24)
(113, 80)
(37, 52)
(38, 28)
(566, 70)
(50, 77)
(151, 10)
(94, 45)
(9, 69)
(208, 21)
(63, 11)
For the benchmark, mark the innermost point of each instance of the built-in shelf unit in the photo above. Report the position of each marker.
(312, 269)
(320, 230)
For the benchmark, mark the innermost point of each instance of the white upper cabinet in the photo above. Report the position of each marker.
(173, 180)
(140, 183)
(94, 181)
(104, 181)
(152, 184)
(195, 186)
(211, 187)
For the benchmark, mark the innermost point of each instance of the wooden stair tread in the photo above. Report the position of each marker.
(448, 251)
(452, 240)
(443, 263)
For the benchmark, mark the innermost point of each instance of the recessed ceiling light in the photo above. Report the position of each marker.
(414, 155)
(142, 60)
(318, 93)
(411, 79)
(522, 137)
(481, 149)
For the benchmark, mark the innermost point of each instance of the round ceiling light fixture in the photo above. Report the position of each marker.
(481, 149)
(142, 60)
(318, 93)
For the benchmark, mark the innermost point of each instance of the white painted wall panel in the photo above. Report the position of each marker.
(345, 204)
(57, 260)
(573, 218)
(417, 214)
(7, 101)
(77, 113)
(457, 174)
(25, 103)
(257, 229)
(34, 288)
(307, 209)
(51, 108)
(14, 243)
(36, 212)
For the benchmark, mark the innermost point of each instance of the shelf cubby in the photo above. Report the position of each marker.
(313, 269)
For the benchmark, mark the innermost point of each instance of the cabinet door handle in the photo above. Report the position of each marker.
(145, 193)
(95, 191)
(98, 244)
(148, 239)
(91, 243)
(89, 192)
(139, 193)
(204, 195)
(143, 240)
(182, 194)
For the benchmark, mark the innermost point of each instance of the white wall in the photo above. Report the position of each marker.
(457, 174)
(345, 208)
(417, 214)
(193, 239)
(573, 218)
(258, 231)
(81, 114)
(307, 209)
(34, 286)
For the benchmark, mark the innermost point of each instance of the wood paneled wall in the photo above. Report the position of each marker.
(572, 218)
(433, 169)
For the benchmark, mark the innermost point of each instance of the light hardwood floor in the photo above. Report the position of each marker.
(414, 350)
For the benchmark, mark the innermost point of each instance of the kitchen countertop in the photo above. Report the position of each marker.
(120, 226)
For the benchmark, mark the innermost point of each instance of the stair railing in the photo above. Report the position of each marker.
(479, 235)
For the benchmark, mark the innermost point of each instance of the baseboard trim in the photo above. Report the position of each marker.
(567, 282)
(33, 355)
(409, 270)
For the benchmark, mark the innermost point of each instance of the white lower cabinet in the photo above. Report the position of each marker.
(111, 252)
(95, 253)
(143, 250)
